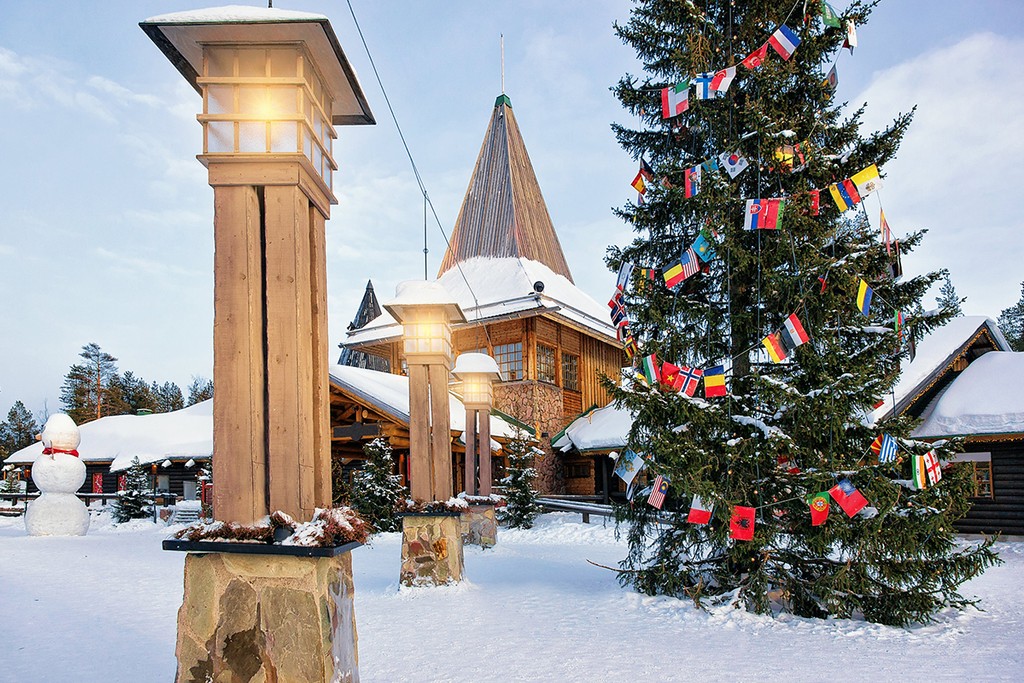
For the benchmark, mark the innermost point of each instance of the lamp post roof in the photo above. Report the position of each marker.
(476, 363)
(416, 293)
(181, 35)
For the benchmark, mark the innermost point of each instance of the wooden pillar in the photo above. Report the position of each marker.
(441, 438)
(421, 486)
(323, 494)
(485, 451)
(470, 468)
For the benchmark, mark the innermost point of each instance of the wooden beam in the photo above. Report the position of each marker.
(441, 440)
(357, 431)
(421, 485)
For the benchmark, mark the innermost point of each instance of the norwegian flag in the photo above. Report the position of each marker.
(688, 379)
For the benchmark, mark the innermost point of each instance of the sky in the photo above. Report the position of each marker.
(106, 216)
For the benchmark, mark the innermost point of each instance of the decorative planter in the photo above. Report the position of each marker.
(431, 549)
(479, 526)
(266, 612)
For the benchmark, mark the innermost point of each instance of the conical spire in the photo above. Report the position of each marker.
(503, 213)
(368, 310)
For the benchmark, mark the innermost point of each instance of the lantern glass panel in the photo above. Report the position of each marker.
(283, 136)
(220, 137)
(220, 99)
(283, 63)
(252, 137)
(252, 63)
(220, 62)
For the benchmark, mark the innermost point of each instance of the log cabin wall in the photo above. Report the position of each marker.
(1002, 509)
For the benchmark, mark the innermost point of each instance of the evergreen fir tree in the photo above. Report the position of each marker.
(86, 386)
(199, 390)
(1011, 322)
(791, 429)
(135, 501)
(948, 300)
(376, 489)
(167, 397)
(521, 507)
(18, 431)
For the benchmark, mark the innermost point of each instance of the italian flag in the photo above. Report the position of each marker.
(675, 99)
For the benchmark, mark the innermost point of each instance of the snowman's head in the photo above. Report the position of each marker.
(60, 431)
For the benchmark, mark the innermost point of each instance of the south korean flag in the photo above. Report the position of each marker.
(733, 163)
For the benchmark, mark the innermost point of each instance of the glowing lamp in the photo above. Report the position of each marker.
(477, 372)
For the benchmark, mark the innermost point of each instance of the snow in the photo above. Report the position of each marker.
(986, 398)
(533, 609)
(600, 429)
(234, 14)
(499, 287)
(478, 363)
(935, 352)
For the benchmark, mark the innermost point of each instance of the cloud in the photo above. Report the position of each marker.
(138, 266)
(6, 250)
(121, 93)
(951, 174)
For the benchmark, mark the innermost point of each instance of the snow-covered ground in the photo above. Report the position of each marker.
(102, 608)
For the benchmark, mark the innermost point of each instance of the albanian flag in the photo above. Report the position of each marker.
(741, 526)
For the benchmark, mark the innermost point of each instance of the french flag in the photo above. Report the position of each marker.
(784, 41)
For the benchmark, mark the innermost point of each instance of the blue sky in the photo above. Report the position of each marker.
(106, 216)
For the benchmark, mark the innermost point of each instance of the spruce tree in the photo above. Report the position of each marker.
(791, 429)
(135, 500)
(1011, 322)
(199, 390)
(376, 489)
(86, 386)
(949, 301)
(18, 431)
(521, 508)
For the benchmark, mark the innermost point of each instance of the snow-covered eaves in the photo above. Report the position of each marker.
(600, 429)
(935, 356)
(185, 434)
(490, 289)
(985, 399)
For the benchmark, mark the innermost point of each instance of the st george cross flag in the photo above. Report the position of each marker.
(864, 293)
(689, 378)
(829, 16)
(754, 59)
(733, 163)
(773, 345)
(723, 79)
(763, 214)
(741, 525)
(784, 41)
(849, 498)
(714, 382)
(691, 181)
(627, 466)
(867, 180)
(700, 512)
(675, 99)
(625, 271)
(792, 333)
(931, 467)
(702, 247)
(660, 488)
(651, 368)
(845, 194)
(819, 505)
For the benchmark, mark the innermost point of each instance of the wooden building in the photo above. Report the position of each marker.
(506, 268)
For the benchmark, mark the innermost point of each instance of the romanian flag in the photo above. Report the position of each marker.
(652, 370)
(763, 214)
(714, 382)
(849, 498)
(638, 183)
(776, 351)
(784, 41)
(867, 181)
(741, 525)
(819, 505)
(700, 512)
(675, 99)
(845, 194)
(864, 294)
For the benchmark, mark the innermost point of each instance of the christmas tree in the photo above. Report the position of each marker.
(134, 501)
(376, 489)
(756, 263)
(521, 506)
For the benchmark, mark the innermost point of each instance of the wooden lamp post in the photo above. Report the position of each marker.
(426, 311)
(274, 84)
(477, 371)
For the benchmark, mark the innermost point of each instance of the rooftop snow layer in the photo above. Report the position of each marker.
(244, 14)
(600, 429)
(986, 398)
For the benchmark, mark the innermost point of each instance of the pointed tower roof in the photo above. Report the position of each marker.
(503, 213)
(368, 310)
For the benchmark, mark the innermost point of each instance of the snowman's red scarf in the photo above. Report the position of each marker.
(51, 451)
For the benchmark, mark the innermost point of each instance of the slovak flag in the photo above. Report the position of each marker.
(700, 512)
(763, 214)
(675, 99)
(784, 41)
(733, 163)
(849, 498)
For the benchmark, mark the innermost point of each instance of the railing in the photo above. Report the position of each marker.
(585, 505)
(162, 499)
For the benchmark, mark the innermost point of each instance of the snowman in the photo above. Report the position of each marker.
(58, 473)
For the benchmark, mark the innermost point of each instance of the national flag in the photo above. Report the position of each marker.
(675, 99)
(702, 247)
(628, 465)
(912, 348)
(670, 376)
(876, 445)
(629, 347)
(651, 369)
(691, 181)
(687, 266)
(851, 35)
(741, 525)
(621, 332)
(625, 271)
(829, 16)
(789, 155)
(831, 79)
(658, 492)
(898, 324)
(823, 279)
(845, 194)
(754, 59)
(723, 79)
(895, 267)
(689, 378)
(864, 293)
(645, 170)
(714, 382)
(931, 467)
(792, 333)
(702, 89)
(784, 41)
(733, 163)
(700, 512)
(886, 232)
(640, 201)
(887, 450)
(920, 477)
(619, 318)
(867, 180)
(820, 506)
(638, 183)
(849, 498)
(815, 196)
(709, 165)
(776, 351)
(763, 214)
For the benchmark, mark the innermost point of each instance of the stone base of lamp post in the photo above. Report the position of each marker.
(431, 549)
(479, 526)
(252, 617)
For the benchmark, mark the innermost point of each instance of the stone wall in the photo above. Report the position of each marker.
(479, 526)
(538, 404)
(431, 550)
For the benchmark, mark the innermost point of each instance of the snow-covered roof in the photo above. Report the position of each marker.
(186, 433)
(500, 287)
(247, 14)
(934, 354)
(985, 399)
(390, 394)
(600, 429)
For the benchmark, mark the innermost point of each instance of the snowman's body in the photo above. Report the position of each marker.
(58, 474)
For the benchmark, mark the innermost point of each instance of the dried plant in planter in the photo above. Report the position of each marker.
(329, 528)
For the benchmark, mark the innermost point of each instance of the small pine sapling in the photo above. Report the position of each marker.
(376, 490)
(521, 507)
(134, 501)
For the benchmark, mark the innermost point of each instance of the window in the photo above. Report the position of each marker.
(510, 361)
(577, 470)
(982, 479)
(570, 372)
(545, 363)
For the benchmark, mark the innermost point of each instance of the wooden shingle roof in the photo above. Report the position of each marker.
(503, 213)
